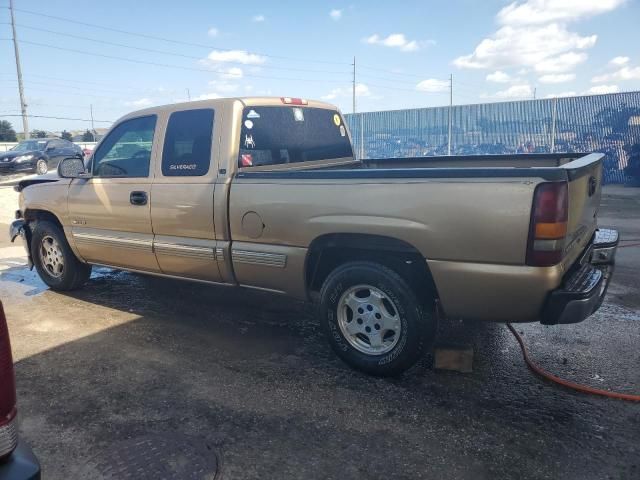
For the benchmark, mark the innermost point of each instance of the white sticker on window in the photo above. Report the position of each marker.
(343, 131)
(248, 124)
(253, 114)
(298, 115)
(248, 142)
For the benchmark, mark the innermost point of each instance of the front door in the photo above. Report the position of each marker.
(110, 212)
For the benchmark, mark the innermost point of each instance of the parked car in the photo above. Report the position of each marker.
(265, 193)
(37, 155)
(17, 461)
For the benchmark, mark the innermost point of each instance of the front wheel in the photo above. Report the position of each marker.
(55, 263)
(373, 319)
(42, 167)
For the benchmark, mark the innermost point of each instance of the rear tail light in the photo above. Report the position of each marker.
(8, 431)
(293, 101)
(548, 228)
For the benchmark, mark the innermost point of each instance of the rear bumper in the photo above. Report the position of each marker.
(22, 464)
(583, 289)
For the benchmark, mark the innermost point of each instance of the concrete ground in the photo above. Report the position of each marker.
(247, 379)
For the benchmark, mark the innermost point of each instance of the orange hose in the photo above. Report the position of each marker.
(566, 383)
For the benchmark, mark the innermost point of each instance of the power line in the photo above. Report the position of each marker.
(61, 118)
(164, 52)
(169, 40)
(179, 67)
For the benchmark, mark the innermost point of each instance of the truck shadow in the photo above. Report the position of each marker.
(251, 374)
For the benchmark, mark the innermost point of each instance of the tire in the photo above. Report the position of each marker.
(42, 167)
(373, 320)
(55, 263)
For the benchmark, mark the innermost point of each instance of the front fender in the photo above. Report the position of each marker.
(19, 228)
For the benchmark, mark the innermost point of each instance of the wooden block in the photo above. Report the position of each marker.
(456, 359)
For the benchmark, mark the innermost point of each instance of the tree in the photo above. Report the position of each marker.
(38, 134)
(87, 136)
(7, 133)
(65, 135)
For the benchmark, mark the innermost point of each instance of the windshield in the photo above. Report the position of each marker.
(29, 145)
(280, 135)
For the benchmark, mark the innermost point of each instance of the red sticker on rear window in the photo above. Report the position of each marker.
(246, 160)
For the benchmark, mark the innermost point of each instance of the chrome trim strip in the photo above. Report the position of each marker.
(164, 275)
(191, 251)
(278, 260)
(219, 254)
(132, 243)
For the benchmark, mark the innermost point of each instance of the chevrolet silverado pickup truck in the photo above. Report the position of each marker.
(266, 193)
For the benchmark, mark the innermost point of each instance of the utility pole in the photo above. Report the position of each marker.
(93, 129)
(188, 95)
(534, 92)
(450, 111)
(23, 104)
(554, 114)
(354, 86)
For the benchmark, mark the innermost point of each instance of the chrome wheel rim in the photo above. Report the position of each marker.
(41, 167)
(369, 320)
(52, 256)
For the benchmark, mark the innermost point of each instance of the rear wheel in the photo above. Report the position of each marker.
(56, 264)
(373, 319)
(42, 167)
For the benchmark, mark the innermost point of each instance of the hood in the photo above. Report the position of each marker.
(20, 184)
(11, 155)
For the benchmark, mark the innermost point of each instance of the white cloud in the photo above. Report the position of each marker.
(432, 85)
(223, 87)
(395, 40)
(619, 61)
(622, 74)
(516, 91)
(557, 77)
(258, 18)
(362, 90)
(536, 12)
(551, 48)
(562, 94)
(335, 14)
(213, 32)
(498, 77)
(232, 73)
(142, 102)
(600, 89)
(235, 56)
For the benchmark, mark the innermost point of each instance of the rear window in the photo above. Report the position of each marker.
(281, 135)
(187, 143)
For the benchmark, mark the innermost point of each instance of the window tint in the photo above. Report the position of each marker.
(280, 135)
(57, 144)
(187, 143)
(126, 151)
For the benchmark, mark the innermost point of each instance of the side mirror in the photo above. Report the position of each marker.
(72, 167)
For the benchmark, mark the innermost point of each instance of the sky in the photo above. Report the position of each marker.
(119, 56)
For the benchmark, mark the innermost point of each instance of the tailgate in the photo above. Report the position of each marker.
(585, 188)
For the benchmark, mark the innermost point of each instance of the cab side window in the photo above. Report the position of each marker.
(187, 143)
(126, 151)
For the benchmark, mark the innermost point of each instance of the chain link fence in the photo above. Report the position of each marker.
(599, 123)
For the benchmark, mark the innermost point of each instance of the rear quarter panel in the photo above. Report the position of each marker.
(472, 221)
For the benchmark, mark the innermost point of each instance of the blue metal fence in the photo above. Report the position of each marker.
(599, 123)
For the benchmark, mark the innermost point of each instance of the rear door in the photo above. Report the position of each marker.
(182, 208)
(110, 212)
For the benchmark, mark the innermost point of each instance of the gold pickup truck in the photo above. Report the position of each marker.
(266, 193)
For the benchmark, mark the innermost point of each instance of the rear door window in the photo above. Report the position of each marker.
(291, 134)
(187, 143)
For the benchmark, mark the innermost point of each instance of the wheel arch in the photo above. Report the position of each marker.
(329, 251)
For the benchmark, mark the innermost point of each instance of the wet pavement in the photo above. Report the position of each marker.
(248, 379)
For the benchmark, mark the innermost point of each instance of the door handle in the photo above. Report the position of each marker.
(138, 198)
